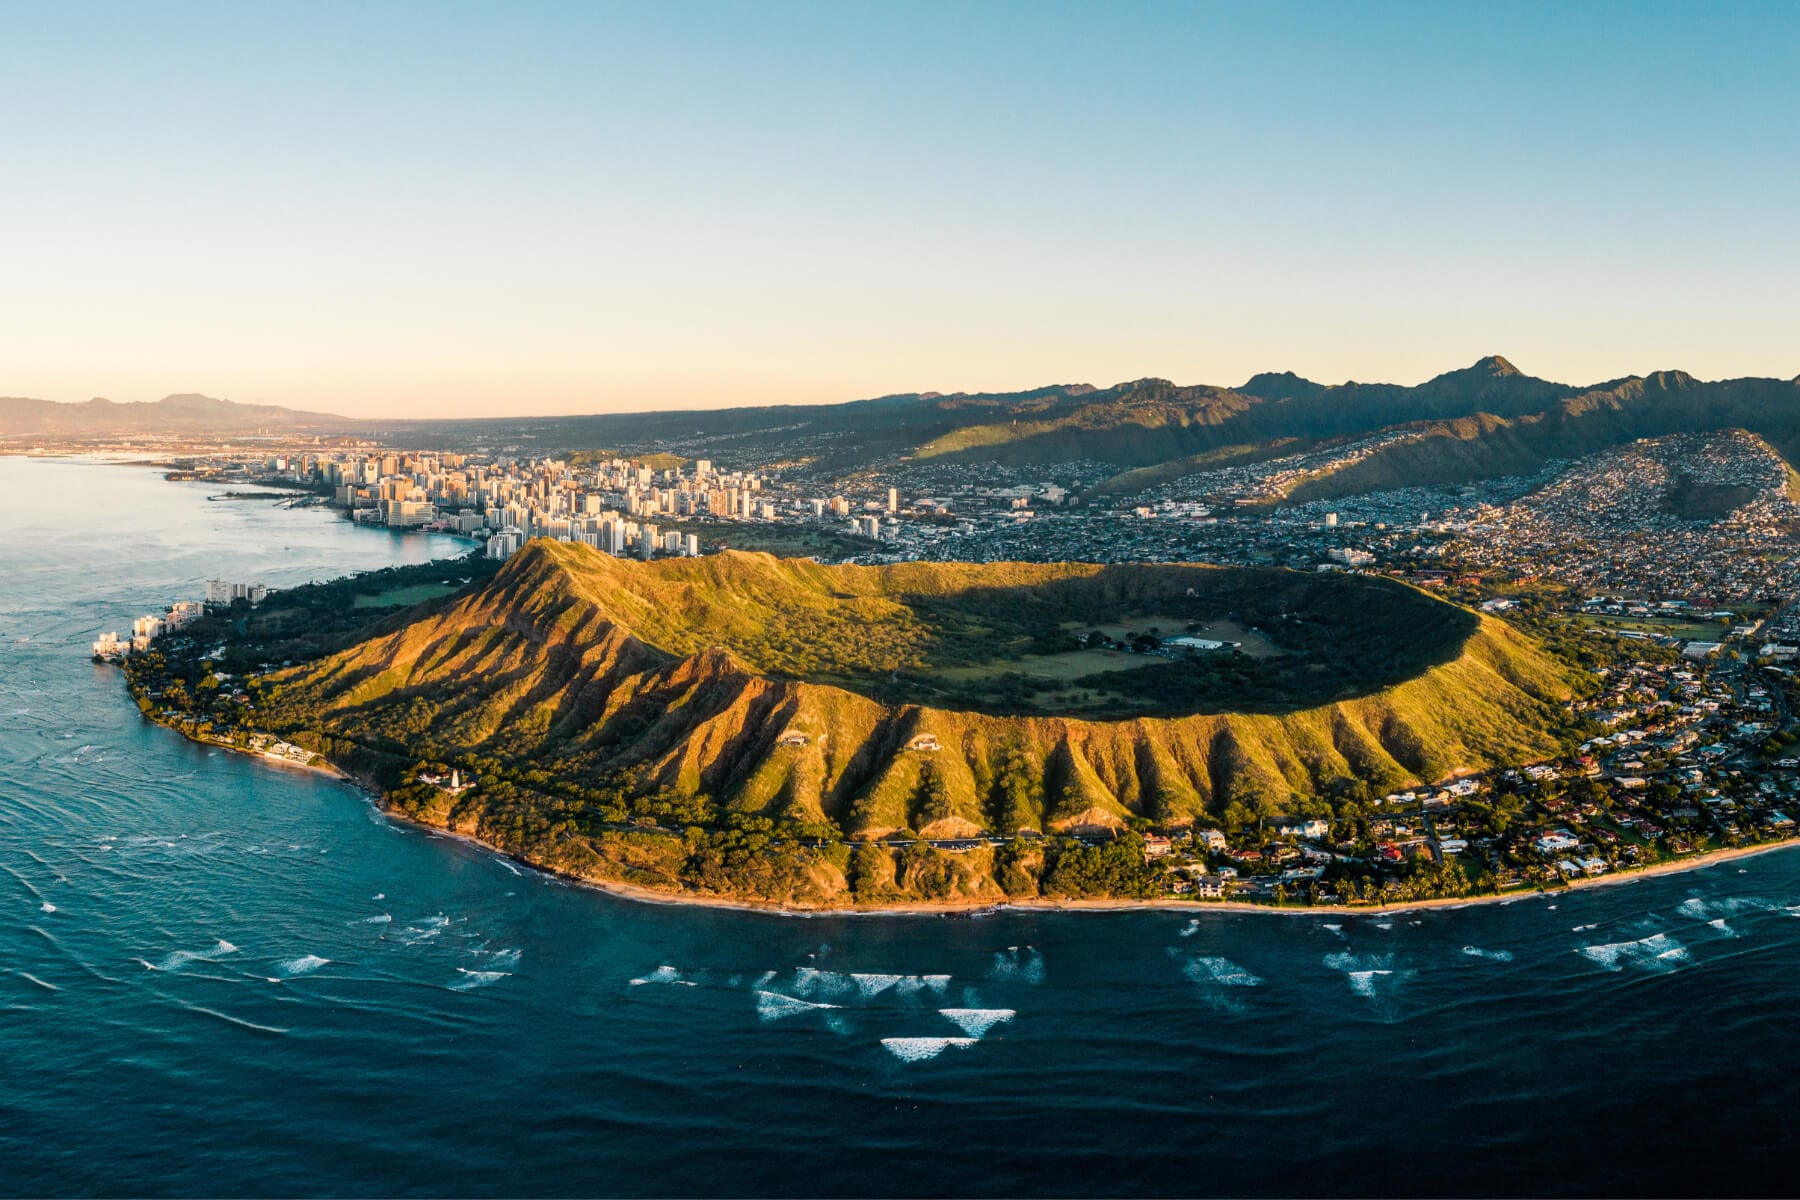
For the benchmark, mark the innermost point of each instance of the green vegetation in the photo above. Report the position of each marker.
(658, 461)
(1683, 628)
(406, 597)
(784, 540)
(681, 724)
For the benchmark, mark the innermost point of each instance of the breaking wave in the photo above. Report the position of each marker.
(1658, 952)
(182, 958)
(920, 1049)
(662, 974)
(1489, 955)
(977, 1021)
(474, 979)
(305, 964)
(773, 1006)
(1220, 971)
(1023, 964)
(1368, 974)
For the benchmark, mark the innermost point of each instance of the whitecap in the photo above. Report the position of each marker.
(1025, 966)
(1220, 971)
(773, 1006)
(662, 974)
(304, 965)
(1367, 974)
(1658, 952)
(871, 985)
(46, 906)
(1722, 927)
(181, 958)
(1190, 929)
(811, 981)
(977, 1021)
(505, 958)
(1489, 955)
(474, 979)
(377, 919)
(919, 1049)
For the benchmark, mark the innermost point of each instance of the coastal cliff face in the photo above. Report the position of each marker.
(698, 678)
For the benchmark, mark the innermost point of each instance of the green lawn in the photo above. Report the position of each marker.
(1675, 627)
(400, 597)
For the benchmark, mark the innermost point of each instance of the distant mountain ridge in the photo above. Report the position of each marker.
(183, 413)
(1486, 419)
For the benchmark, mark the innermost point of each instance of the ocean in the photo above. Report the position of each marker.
(222, 976)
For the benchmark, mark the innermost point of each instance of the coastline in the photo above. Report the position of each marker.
(950, 908)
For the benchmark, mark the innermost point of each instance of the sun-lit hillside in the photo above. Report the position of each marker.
(755, 685)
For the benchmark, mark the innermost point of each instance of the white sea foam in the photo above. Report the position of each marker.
(1024, 965)
(474, 979)
(977, 1021)
(1699, 909)
(181, 958)
(871, 985)
(764, 980)
(1720, 925)
(1658, 952)
(1190, 929)
(919, 1049)
(1336, 929)
(1368, 974)
(505, 958)
(811, 981)
(662, 974)
(1583, 928)
(1219, 971)
(46, 906)
(1489, 955)
(773, 1006)
(304, 965)
(377, 919)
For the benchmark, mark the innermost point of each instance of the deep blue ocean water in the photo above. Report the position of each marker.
(219, 976)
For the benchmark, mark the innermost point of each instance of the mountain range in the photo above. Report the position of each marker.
(1484, 420)
(187, 413)
(1487, 419)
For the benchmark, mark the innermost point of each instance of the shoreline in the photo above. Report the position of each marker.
(950, 908)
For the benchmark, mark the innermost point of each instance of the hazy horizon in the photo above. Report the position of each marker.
(524, 411)
(417, 211)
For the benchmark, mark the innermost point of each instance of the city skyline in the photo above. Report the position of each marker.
(410, 212)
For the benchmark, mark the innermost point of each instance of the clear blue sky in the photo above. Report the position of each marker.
(405, 209)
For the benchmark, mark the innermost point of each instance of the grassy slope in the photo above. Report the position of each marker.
(594, 666)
